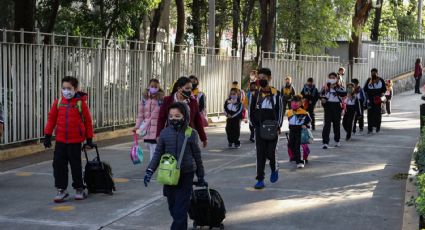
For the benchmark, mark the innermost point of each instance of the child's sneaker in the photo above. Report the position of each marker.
(338, 144)
(238, 146)
(252, 140)
(325, 146)
(300, 165)
(230, 145)
(61, 196)
(80, 194)
(259, 185)
(274, 176)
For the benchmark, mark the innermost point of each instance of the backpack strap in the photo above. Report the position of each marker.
(187, 134)
(79, 106)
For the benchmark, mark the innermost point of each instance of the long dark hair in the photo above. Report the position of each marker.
(182, 81)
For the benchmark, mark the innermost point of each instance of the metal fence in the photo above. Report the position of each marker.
(390, 58)
(114, 73)
(300, 68)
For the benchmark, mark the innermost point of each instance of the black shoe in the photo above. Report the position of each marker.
(230, 145)
(313, 128)
(238, 146)
(252, 140)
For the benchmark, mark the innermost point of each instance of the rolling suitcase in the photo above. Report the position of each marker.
(207, 208)
(98, 175)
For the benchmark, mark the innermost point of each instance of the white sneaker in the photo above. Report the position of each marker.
(325, 146)
(61, 196)
(338, 144)
(300, 165)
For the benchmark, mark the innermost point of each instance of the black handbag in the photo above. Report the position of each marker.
(269, 128)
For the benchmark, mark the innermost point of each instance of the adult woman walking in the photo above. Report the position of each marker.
(418, 75)
(182, 92)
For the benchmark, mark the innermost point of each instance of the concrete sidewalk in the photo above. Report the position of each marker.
(352, 187)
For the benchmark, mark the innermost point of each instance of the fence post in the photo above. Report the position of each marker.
(422, 115)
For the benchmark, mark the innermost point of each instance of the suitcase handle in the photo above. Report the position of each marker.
(196, 183)
(85, 152)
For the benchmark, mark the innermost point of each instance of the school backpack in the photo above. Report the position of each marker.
(207, 208)
(78, 106)
(98, 175)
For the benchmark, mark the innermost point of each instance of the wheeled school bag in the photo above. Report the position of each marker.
(207, 208)
(98, 175)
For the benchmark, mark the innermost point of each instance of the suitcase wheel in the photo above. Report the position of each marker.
(221, 226)
(194, 225)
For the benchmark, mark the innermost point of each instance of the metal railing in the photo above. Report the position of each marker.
(390, 58)
(114, 73)
(300, 68)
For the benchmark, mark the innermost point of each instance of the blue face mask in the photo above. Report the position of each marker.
(233, 97)
(68, 94)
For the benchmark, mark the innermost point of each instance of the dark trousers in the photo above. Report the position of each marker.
(374, 117)
(233, 130)
(348, 121)
(310, 111)
(332, 118)
(252, 131)
(65, 153)
(388, 106)
(178, 198)
(295, 144)
(265, 150)
(359, 118)
(417, 85)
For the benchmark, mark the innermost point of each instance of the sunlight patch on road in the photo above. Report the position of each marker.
(273, 208)
(371, 168)
(121, 180)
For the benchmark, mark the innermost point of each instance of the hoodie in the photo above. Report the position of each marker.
(171, 141)
(70, 125)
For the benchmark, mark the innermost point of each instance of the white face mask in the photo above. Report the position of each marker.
(331, 81)
(252, 77)
(68, 94)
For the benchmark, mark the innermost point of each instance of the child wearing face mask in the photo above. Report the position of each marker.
(288, 91)
(352, 109)
(147, 118)
(171, 141)
(70, 118)
(233, 109)
(182, 92)
(298, 119)
(253, 88)
(331, 97)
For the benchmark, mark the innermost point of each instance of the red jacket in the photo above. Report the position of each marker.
(195, 116)
(69, 124)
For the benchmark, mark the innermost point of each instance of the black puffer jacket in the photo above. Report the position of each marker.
(171, 141)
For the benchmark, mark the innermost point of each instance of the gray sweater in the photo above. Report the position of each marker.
(171, 141)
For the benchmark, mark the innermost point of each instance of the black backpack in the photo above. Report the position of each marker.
(207, 208)
(98, 175)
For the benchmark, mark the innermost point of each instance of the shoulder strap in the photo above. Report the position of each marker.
(59, 103)
(187, 134)
(80, 109)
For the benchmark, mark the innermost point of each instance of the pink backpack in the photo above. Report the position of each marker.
(136, 153)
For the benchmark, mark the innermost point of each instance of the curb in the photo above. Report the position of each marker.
(17, 152)
(410, 215)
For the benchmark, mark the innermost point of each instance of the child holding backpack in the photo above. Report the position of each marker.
(298, 119)
(171, 141)
(71, 119)
(147, 118)
(352, 110)
(233, 109)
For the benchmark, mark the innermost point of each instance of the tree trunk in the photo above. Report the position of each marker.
(180, 25)
(52, 20)
(153, 32)
(24, 18)
(298, 27)
(268, 16)
(236, 23)
(374, 33)
(361, 13)
(246, 19)
(196, 22)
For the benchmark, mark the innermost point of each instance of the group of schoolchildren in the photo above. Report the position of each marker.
(162, 122)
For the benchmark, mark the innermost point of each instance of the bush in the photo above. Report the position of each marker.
(420, 180)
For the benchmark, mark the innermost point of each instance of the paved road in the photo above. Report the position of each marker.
(351, 187)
